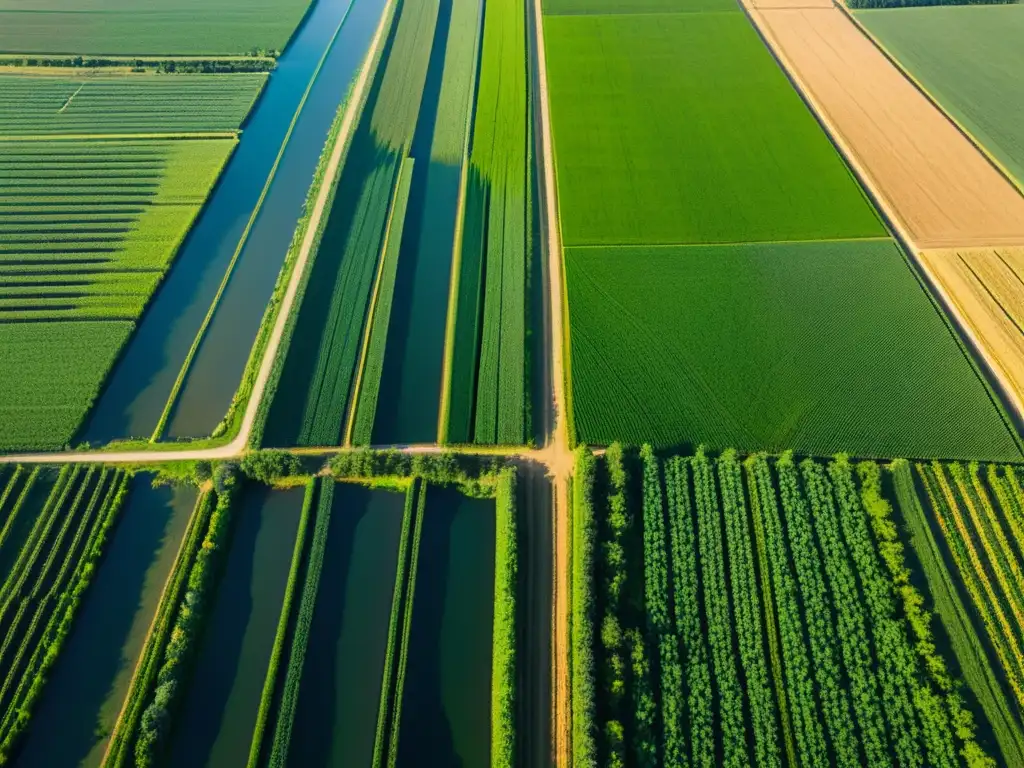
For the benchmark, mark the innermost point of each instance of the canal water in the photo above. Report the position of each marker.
(336, 718)
(141, 382)
(84, 696)
(446, 705)
(219, 709)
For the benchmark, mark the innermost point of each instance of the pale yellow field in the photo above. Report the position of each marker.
(931, 177)
(986, 285)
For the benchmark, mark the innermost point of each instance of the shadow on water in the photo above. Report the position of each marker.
(82, 700)
(219, 709)
(22, 524)
(446, 707)
(141, 381)
(337, 714)
(414, 354)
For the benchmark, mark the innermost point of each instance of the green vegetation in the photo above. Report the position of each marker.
(865, 682)
(367, 386)
(497, 225)
(504, 680)
(749, 345)
(60, 369)
(113, 104)
(583, 616)
(632, 7)
(680, 128)
(119, 752)
(969, 60)
(43, 590)
(922, 3)
(126, 27)
(150, 738)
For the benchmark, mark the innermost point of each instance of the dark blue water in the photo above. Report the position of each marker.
(133, 400)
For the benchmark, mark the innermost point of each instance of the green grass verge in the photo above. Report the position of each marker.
(504, 675)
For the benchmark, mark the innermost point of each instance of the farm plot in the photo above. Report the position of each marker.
(487, 365)
(129, 27)
(61, 537)
(85, 695)
(32, 106)
(601, 7)
(986, 287)
(733, 155)
(695, 570)
(970, 60)
(937, 184)
(87, 230)
(748, 346)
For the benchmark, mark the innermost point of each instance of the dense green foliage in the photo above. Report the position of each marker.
(680, 128)
(42, 592)
(119, 751)
(300, 633)
(258, 746)
(747, 346)
(504, 678)
(618, 7)
(970, 60)
(151, 738)
(271, 466)
(127, 27)
(115, 104)
(583, 613)
(852, 676)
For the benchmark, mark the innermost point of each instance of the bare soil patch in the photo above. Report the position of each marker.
(944, 192)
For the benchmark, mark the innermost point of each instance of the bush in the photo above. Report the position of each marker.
(270, 466)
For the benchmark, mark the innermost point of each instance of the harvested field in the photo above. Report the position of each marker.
(970, 59)
(938, 185)
(986, 286)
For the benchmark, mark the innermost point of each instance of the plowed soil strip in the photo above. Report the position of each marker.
(943, 191)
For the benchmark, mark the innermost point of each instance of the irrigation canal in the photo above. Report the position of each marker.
(141, 383)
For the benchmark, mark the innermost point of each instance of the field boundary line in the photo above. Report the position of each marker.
(171, 136)
(612, 246)
(454, 280)
(993, 161)
(996, 381)
(243, 240)
(364, 347)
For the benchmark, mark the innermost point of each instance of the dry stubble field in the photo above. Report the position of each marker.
(943, 190)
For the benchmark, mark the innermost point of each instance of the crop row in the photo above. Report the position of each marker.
(42, 592)
(807, 601)
(488, 345)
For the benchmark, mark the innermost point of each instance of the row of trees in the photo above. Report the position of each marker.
(922, 3)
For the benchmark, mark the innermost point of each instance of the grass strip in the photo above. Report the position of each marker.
(119, 749)
(384, 709)
(303, 621)
(371, 364)
(280, 639)
(5, 532)
(403, 659)
(12, 482)
(504, 677)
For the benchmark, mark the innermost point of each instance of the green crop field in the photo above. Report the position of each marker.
(600, 7)
(32, 105)
(970, 59)
(759, 612)
(818, 347)
(129, 27)
(680, 128)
